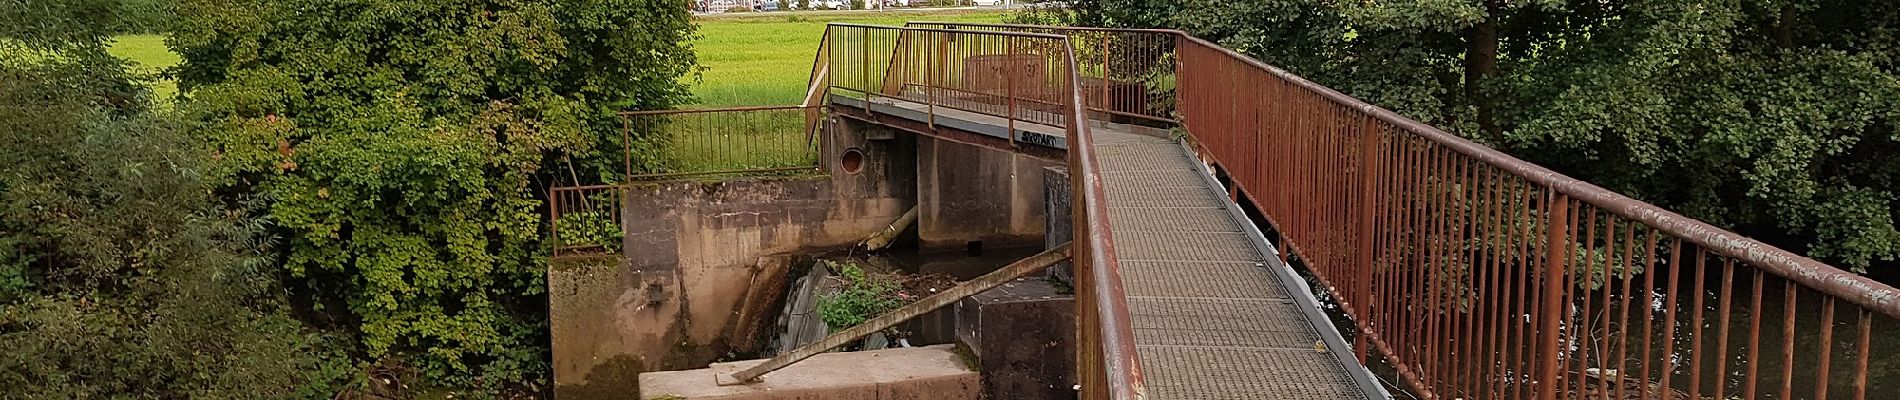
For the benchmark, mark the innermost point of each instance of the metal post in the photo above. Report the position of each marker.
(1009, 77)
(1368, 178)
(626, 148)
(1556, 241)
(1106, 105)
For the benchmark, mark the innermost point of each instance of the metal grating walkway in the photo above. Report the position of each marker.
(1216, 314)
(1213, 313)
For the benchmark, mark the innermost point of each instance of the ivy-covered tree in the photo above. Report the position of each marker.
(1777, 118)
(405, 144)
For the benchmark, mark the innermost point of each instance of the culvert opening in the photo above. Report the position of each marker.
(852, 160)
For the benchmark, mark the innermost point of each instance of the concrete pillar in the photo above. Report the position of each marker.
(969, 195)
(1057, 213)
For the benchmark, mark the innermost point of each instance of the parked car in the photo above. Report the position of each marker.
(897, 3)
(765, 5)
(831, 4)
(986, 3)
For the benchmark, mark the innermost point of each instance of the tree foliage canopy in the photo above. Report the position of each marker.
(1775, 117)
(120, 276)
(403, 145)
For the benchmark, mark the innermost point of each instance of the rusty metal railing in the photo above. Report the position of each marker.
(1019, 77)
(1478, 275)
(1126, 73)
(1022, 78)
(586, 219)
(718, 141)
(1441, 251)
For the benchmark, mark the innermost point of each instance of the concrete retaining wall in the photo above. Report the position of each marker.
(689, 286)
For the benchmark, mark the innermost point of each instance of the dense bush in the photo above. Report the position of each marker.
(144, 16)
(403, 146)
(120, 276)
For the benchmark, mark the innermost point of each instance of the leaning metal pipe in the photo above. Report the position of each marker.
(988, 281)
(884, 237)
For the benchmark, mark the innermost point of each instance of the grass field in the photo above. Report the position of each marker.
(765, 58)
(151, 55)
(750, 59)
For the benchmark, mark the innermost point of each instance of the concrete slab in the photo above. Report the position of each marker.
(917, 373)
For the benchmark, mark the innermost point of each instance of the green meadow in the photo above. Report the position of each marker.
(765, 58)
(148, 54)
(747, 59)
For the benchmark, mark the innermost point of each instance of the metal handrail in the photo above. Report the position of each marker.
(1821, 276)
(1337, 147)
(1815, 274)
(1108, 47)
(712, 110)
(1100, 295)
(913, 29)
(720, 135)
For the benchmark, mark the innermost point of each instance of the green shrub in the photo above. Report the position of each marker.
(120, 275)
(591, 228)
(398, 141)
(863, 296)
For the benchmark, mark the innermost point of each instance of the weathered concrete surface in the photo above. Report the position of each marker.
(1058, 227)
(917, 373)
(1023, 332)
(690, 286)
(967, 193)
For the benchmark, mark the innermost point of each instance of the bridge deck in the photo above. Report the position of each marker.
(1213, 311)
(1216, 314)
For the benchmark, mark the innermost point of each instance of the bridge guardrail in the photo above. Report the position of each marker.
(718, 141)
(1439, 249)
(1125, 73)
(1447, 265)
(1020, 77)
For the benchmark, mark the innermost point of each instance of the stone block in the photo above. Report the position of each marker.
(1023, 334)
(915, 373)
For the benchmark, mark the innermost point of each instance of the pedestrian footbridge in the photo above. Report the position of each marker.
(1222, 206)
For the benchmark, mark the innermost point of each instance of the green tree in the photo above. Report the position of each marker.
(119, 275)
(1768, 116)
(404, 145)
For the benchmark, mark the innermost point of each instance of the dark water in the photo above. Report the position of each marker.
(963, 265)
